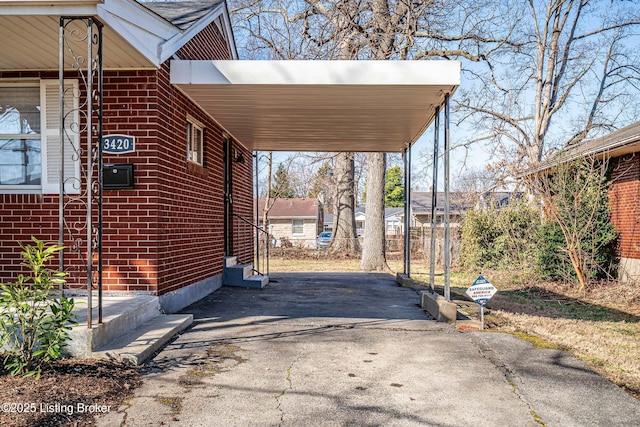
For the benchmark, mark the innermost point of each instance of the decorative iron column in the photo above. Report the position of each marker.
(81, 55)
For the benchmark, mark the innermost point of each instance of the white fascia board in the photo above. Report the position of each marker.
(229, 28)
(310, 72)
(143, 29)
(171, 46)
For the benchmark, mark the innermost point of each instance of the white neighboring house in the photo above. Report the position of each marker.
(392, 221)
(293, 222)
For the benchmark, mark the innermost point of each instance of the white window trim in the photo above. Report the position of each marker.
(195, 124)
(46, 186)
(293, 227)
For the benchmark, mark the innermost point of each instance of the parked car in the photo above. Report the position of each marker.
(324, 239)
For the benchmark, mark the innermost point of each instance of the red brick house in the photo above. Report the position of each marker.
(622, 149)
(165, 234)
(180, 117)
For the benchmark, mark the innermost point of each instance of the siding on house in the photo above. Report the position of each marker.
(283, 212)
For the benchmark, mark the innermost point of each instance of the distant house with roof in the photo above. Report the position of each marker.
(421, 202)
(622, 149)
(295, 221)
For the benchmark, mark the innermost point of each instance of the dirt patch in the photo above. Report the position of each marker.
(70, 392)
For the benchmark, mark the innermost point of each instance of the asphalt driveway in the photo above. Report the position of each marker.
(342, 349)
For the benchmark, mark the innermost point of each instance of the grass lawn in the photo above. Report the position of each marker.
(600, 326)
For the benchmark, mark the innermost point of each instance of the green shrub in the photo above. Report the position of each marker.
(580, 232)
(34, 317)
(501, 239)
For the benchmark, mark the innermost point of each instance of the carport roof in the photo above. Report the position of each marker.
(319, 105)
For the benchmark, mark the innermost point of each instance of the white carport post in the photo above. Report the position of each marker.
(447, 225)
(434, 200)
(407, 210)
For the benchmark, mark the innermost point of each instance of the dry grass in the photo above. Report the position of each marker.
(600, 326)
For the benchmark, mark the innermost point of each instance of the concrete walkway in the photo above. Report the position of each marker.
(355, 350)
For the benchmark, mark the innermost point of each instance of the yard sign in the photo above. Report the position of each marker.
(481, 292)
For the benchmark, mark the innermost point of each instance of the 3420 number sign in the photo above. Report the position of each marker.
(118, 144)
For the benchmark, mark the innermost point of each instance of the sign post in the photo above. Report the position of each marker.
(481, 292)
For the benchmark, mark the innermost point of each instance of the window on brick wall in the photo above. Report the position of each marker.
(297, 226)
(195, 141)
(30, 137)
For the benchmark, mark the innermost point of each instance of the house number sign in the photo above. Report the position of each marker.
(118, 144)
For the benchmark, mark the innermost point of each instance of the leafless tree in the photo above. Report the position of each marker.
(570, 72)
(575, 196)
(371, 29)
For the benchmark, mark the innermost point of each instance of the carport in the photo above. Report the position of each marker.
(366, 106)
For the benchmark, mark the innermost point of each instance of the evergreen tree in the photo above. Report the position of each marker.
(394, 188)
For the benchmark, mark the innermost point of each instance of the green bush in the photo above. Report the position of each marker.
(34, 317)
(502, 239)
(579, 233)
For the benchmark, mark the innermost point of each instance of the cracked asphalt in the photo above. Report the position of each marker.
(354, 349)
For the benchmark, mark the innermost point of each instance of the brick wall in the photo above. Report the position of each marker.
(624, 197)
(166, 233)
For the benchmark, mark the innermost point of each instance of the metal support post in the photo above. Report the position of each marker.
(434, 200)
(447, 228)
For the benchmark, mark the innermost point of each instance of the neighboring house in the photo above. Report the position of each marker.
(392, 220)
(295, 221)
(164, 228)
(328, 222)
(361, 219)
(622, 149)
(421, 203)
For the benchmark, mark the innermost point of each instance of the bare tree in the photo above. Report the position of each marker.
(371, 29)
(576, 200)
(569, 62)
(344, 240)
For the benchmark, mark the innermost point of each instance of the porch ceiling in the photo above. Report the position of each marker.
(319, 105)
(31, 43)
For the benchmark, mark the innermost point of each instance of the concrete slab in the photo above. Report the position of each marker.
(139, 344)
(119, 314)
(356, 349)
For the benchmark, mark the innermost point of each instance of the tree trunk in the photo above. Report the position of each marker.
(344, 240)
(373, 249)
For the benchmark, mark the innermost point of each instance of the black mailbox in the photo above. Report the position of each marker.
(117, 177)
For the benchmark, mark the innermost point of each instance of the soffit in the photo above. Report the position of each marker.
(320, 105)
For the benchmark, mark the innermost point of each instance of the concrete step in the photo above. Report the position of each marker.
(142, 342)
(230, 261)
(258, 281)
(236, 274)
(118, 314)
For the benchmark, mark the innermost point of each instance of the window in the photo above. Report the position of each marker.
(298, 226)
(30, 137)
(20, 140)
(195, 137)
